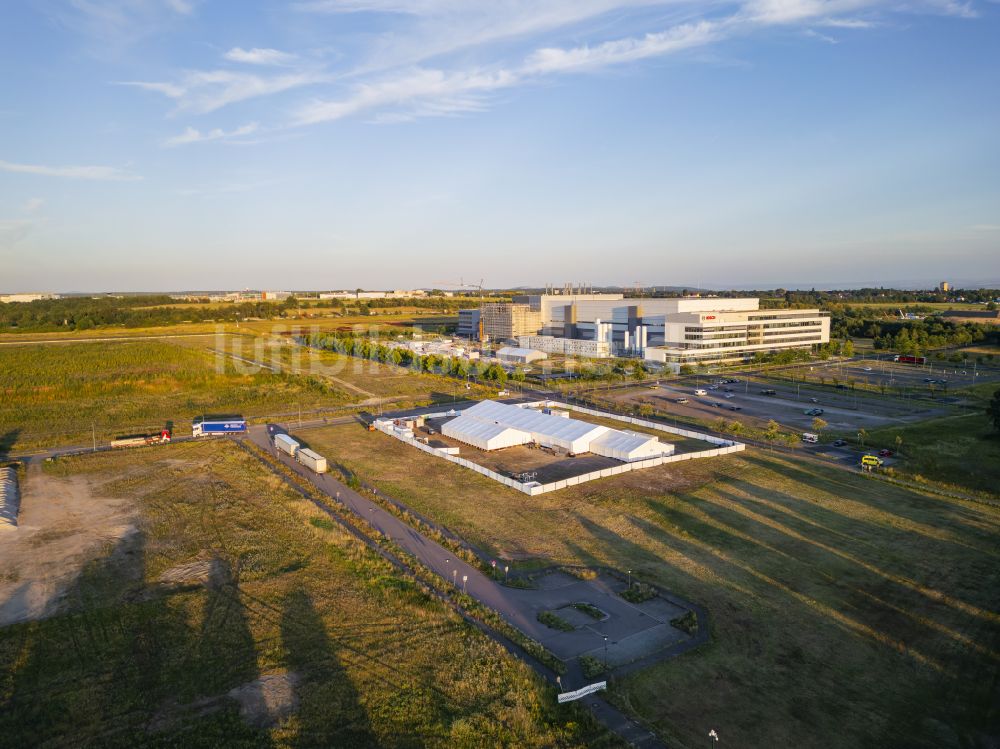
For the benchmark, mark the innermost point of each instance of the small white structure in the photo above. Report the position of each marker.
(630, 446)
(9, 499)
(516, 355)
(484, 434)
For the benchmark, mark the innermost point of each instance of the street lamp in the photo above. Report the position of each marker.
(713, 736)
(630, 579)
(454, 578)
(465, 580)
(506, 569)
(605, 652)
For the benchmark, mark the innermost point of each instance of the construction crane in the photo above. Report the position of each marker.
(462, 285)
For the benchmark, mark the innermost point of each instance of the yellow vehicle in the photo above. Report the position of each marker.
(871, 461)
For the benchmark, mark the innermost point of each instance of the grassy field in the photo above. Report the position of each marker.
(963, 451)
(230, 581)
(51, 394)
(846, 612)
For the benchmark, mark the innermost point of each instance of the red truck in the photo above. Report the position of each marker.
(904, 359)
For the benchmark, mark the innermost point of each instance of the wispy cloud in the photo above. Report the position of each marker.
(32, 205)
(118, 23)
(258, 56)
(108, 173)
(813, 34)
(206, 91)
(193, 135)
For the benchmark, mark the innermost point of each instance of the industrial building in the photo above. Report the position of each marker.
(516, 355)
(468, 323)
(395, 294)
(24, 298)
(673, 331)
(490, 425)
(566, 346)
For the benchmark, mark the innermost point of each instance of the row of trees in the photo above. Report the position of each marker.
(375, 350)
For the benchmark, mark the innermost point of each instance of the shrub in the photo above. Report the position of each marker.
(638, 593)
(552, 621)
(591, 666)
(686, 622)
(592, 611)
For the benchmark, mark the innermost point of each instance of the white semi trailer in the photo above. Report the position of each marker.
(311, 460)
(286, 444)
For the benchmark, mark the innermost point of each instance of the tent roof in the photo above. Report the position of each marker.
(624, 442)
(483, 430)
(535, 422)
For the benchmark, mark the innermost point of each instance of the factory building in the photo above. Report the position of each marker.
(672, 331)
(490, 425)
(576, 347)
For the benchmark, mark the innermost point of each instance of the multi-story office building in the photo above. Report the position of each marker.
(566, 346)
(674, 331)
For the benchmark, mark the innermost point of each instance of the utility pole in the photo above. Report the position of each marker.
(93, 434)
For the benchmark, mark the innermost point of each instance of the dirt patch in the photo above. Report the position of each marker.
(208, 572)
(267, 700)
(63, 524)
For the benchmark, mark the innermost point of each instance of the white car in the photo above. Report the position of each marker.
(730, 395)
(868, 369)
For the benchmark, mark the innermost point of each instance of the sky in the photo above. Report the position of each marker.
(321, 144)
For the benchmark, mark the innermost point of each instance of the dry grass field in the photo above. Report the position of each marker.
(846, 611)
(231, 611)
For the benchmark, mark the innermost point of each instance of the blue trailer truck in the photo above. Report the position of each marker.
(216, 427)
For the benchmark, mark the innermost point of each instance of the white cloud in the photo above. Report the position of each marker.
(208, 90)
(685, 36)
(813, 34)
(117, 23)
(193, 135)
(258, 56)
(72, 172)
(31, 205)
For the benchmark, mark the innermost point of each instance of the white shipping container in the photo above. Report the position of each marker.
(286, 444)
(311, 459)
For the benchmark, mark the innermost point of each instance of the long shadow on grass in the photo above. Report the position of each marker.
(861, 489)
(118, 668)
(330, 713)
(7, 442)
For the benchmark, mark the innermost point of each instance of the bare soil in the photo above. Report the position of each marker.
(62, 525)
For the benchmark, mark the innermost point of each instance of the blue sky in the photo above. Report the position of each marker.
(200, 144)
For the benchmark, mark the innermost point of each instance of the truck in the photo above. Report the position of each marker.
(215, 427)
(311, 460)
(810, 437)
(286, 444)
(139, 440)
(906, 359)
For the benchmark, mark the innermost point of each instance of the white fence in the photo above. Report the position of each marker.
(533, 488)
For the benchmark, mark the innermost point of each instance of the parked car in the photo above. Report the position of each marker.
(839, 443)
(885, 453)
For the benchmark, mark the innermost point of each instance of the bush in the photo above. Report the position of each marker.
(686, 622)
(592, 611)
(591, 666)
(638, 593)
(553, 621)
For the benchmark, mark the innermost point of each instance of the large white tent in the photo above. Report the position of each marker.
(629, 446)
(8, 499)
(484, 434)
(571, 435)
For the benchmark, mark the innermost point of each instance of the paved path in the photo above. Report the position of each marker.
(517, 606)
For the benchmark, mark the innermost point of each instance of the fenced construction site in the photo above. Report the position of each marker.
(511, 450)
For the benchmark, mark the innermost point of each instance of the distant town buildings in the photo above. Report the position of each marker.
(20, 298)
(944, 287)
(396, 294)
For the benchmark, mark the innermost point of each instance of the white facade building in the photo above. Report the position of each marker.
(567, 346)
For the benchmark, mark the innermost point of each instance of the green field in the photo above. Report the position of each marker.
(52, 394)
(962, 451)
(231, 578)
(845, 612)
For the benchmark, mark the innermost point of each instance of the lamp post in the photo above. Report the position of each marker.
(506, 569)
(630, 579)
(713, 737)
(454, 578)
(465, 580)
(605, 652)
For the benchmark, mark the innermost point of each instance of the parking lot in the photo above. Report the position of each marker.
(843, 410)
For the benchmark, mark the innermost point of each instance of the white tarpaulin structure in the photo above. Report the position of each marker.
(489, 425)
(629, 446)
(484, 434)
(571, 435)
(8, 499)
